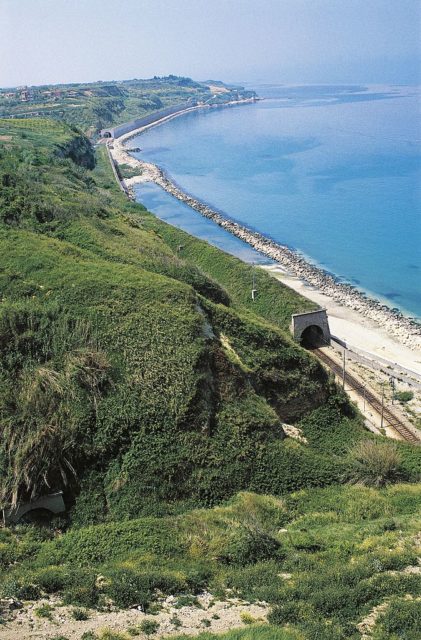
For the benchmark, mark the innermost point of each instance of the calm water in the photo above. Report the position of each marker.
(331, 171)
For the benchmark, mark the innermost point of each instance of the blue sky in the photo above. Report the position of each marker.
(282, 41)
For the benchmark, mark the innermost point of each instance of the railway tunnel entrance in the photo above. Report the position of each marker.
(312, 337)
(311, 329)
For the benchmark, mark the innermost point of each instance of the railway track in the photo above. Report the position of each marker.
(388, 416)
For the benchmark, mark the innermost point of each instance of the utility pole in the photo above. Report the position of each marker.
(343, 368)
(253, 286)
(381, 421)
(392, 384)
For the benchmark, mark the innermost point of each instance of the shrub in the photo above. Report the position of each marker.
(176, 622)
(81, 588)
(187, 601)
(18, 588)
(291, 613)
(149, 627)
(248, 545)
(108, 634)
(402, 617)
(80, 614)
(404, 396)
(129, 588)
(375, 463)
(198, 578)
(153, 608)
(51, 579)
(259, 581)
(247, 618)
(44, 611)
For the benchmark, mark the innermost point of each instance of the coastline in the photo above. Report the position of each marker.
(403, 329)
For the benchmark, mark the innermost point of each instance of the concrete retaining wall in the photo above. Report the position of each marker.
(120, 130)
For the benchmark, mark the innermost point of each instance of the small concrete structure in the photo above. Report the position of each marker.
(311, 329)
(52, 502)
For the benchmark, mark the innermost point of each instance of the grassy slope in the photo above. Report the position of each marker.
(322, 557)
(156, 351)
(151, 376)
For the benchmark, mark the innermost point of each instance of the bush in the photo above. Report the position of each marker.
(249, 545)
(20, 589)
(129, 588)
(402, 617)
(258, 581)
(404, 396)
(291, 613)
(81, 588)
(375, 463)
(247, 618)
(187, 601)
(51, 579)
(44, 611)
(108, 634)
(198, 578)
(149, 627)
(79, 614)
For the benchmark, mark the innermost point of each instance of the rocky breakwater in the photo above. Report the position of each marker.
(404, 329)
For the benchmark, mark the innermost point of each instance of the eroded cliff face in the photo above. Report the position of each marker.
(78, 149)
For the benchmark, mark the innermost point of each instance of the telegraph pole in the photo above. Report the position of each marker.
(253, 286)
(392, 384)
(343, 368)
(381, 422)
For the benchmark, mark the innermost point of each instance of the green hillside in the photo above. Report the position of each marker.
(142, 381)
(93, 106)
(124, 360)
(322, 558)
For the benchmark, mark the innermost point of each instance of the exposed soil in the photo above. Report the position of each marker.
(207, 614)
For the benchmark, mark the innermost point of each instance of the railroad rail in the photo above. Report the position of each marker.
(352, 382)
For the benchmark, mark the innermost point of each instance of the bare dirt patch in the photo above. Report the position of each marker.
(205, 614)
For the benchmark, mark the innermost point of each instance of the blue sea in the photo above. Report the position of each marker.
(332, 171)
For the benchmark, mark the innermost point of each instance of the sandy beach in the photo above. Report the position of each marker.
(353, 328)
(363, 323)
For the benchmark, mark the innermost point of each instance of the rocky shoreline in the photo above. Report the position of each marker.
(405, 330)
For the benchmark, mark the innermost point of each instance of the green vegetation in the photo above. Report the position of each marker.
(375, 463)
(149, 627)
(142, 381)
(323, 558)
(402, 619)
(44, 611)
(80, 614)
(127, 370)
(97, 105)
(404, 396)
(258, 632)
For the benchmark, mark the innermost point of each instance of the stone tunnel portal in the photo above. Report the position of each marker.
(311, 329)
